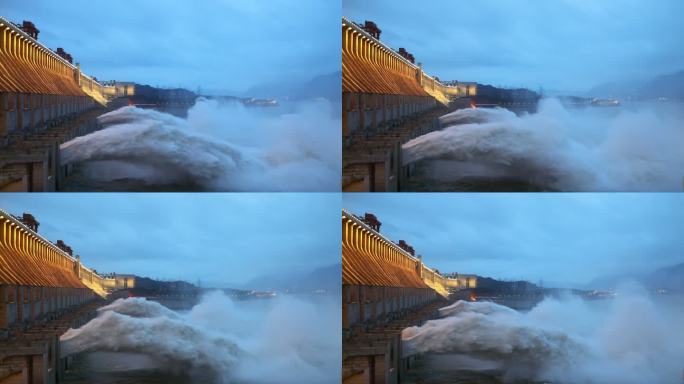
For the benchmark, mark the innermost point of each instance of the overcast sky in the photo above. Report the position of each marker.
(219, 238)
(557, 44)
(555, 237)
(218, 44)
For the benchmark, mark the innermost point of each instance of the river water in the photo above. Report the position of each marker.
(632, 147)
(286, 339)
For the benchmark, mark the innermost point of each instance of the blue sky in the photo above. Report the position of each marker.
(218, 44)
(557, 44)
(218, 238)
(571, 238)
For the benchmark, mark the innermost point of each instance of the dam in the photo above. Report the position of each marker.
(44, 291)
(45, 100)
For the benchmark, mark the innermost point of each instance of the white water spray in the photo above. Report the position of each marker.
(588, 150)
(219, 147)
(284, 340)
(629, 341)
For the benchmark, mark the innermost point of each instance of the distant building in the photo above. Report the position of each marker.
(461, 281)
(465, 88)
(115, 281)
(115, 88)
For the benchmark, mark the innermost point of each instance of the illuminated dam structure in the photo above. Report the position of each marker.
(381, 89)
(40, 90)
(385, 288)
(44, 290)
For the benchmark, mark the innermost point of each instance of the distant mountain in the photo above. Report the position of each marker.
(670, 86)
(616, 89)
(490, 285)
(327, 86)
(326, 278)
(145, 285)
(670, 278)
(149, 94)
(488, 94)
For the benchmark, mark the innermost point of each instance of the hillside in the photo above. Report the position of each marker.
(328, 86)
(669, 278)
(670, 86)
(324, 278)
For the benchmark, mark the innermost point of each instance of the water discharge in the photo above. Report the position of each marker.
(568, 340)
(592, 149)
(284, 340)
(221, 146)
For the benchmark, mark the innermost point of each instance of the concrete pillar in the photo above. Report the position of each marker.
(369, 374)
(20, 304)
(3, 115)
(27, 372)
(3, 307)
(26, 304)
(362, 113)
(31, 300)
(19, 113)
(11, 291)
(32, 111)
(345, 306)
(43, 308)
(27, 112)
